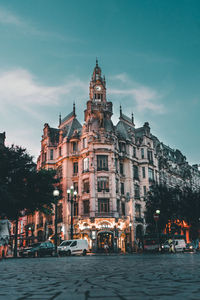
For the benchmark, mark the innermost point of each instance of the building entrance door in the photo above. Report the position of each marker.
(105, 238)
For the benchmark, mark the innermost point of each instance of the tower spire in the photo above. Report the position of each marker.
(97, 62)
(120, 109)
(59, 119)
(74, 109)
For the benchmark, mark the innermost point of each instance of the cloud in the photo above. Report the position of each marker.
(20, 89)
(144, 97)
(6, 17)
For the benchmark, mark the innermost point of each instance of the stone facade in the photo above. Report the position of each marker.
(111, 168)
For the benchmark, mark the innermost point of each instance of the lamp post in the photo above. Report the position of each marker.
(156, 218)
(71, 197)
(56, 195)
(130, 226)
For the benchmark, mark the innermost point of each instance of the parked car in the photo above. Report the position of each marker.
(73, 247)
(190, 248)
(38, 249)
(179, 246)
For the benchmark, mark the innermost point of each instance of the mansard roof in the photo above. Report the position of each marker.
(124, 131)
(73, 128)
(71, 114)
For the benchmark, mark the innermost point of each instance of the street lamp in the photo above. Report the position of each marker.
(71, 197)
(156, 218)
(130, 226)
(56, 194)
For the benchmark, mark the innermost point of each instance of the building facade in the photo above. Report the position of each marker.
(111, 167)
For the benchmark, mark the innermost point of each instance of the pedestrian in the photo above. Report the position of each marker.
(106, 247)
(5, 227)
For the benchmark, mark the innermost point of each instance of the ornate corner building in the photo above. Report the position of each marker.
(110, 166)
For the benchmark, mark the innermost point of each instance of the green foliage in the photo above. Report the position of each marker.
(22, 187)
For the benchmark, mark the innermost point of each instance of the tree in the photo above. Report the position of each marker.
(174, 204)
(22, 187)
(167, 201)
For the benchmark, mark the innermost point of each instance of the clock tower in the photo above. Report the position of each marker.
(97, 85)
(98, 109)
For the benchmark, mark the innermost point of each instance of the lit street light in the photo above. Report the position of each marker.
(56, 194)
(71, 194)
(156, 218)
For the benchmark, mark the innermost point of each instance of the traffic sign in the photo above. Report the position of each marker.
(156, 217)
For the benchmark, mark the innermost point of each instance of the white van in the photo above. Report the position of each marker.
(179, 245)
(72, 247)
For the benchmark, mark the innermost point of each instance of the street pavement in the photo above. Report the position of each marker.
(102, 277)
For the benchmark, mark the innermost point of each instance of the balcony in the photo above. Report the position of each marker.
(102, 169)
(104, 214)
(74, 154)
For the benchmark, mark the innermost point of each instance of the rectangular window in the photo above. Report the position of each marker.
(75, 209)
(117, 185)
(122, 188)
(123, 209)
(142, 153)
(121, 166)
(84, 143)
(102, 162)
(75, 168)
(137, 191)
(86, 164)
(103, 184)
(150, 156)
(122, 147)
(135, 172)
(118, 205)
(86, 207)
(60, 151)
(151, 174)
(76, 186)
(51, 154)
(86, 186)
(143, 172)
(137, 210)
(74, 146)
(103, 205)
(144, 190)
(134, 151)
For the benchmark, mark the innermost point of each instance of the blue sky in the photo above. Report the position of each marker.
(149, 51)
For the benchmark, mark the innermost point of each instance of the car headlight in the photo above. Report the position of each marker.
(191, 247)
